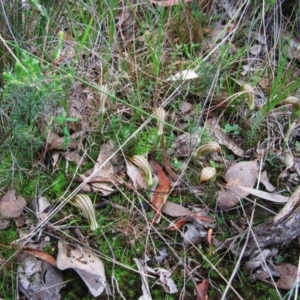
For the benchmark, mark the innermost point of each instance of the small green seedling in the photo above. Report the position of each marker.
(62, 120)
(234, 129)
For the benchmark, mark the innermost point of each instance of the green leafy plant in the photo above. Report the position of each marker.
(62, 120)
(234, 129)
(29, 96)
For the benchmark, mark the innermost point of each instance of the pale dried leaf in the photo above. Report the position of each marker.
(11, 205)
(261, 38)
(289, 163)
(4, 223)
(185, 144)
(183, 75)
(218, 32)
(194, 235)
(104, 177)
(167, 282)
(265, 195)
(255, 49)
(88, 265)
(264, 179)
(133, 172)
(163, 253)
(186, 107)
(39, 280)
(165, 278)
(106, 151)
(73, 156)
(42, 204)
(145, 285)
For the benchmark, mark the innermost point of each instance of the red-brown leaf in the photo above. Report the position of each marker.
(178, 224)
(161, 192)
(42, 255)
(209, 236)
(202, 289)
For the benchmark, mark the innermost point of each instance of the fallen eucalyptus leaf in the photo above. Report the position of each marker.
(161, 193)
(175, 210)
(265, 195)
(84, 261)
(132, 171)
(241, 174)
(201, 290)
(11, 205)
(145, 285)
(288, 274)
(264, 179)
(185, 74)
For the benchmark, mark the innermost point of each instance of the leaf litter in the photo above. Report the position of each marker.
(196, 226)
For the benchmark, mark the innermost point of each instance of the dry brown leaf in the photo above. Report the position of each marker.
(201, 290)
(175, 210)
(244, 174)
(186, 107)
(209, 236)
(178, 224)
(104, 176)
(223, 139)
(288, 274)
(73, 156)
(161, 193)
(11, 205)
(132, 171)
(86, 263)
(185, 144)
(54, 142)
